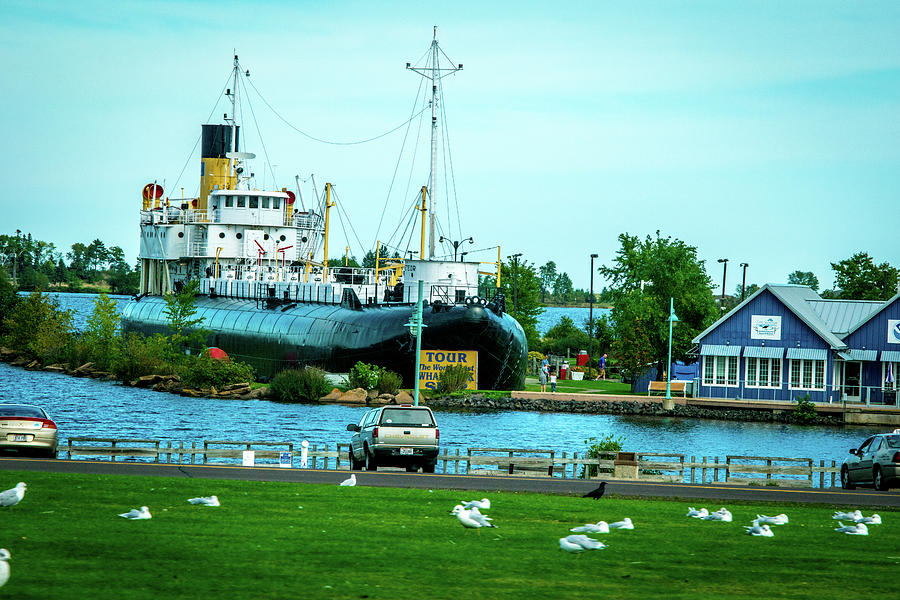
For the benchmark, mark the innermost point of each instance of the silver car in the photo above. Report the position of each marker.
(876, 462)
(27, 429)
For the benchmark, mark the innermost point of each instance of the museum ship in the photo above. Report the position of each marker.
(267, 296)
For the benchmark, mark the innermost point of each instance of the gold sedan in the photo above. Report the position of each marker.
(27, 429)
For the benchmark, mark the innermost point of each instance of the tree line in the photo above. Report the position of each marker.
(36, 264)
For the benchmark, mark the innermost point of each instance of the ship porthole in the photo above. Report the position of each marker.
(303, 239)
(266, 236)
(181, 234)
(221, 234)
(282, 238)
(238, 235)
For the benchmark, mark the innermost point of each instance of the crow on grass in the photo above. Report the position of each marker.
(596, 494)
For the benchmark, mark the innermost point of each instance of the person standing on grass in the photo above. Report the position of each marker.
(553, 380)
(602, 365)
(544, 373)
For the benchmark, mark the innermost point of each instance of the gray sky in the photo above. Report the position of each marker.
(764, 132)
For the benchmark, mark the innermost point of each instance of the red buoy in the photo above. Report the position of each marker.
(218, 354)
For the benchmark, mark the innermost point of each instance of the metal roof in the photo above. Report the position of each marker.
(854, 354)
(763, 352)
(871, 316)
(890, 356)
(807, 353)
(796, 298)
(717, 350)
(842, 315)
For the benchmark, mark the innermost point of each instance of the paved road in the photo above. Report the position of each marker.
(837, 497)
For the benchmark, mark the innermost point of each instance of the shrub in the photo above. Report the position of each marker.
(389, 382)
(453, 379)
(139, 356)
(205, 372)
(38, 329)
(299, 385)
(805, 411)
(364, 376)
(600, 448)
(100, 340)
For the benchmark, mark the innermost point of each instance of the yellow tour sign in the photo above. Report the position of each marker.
(433, 363)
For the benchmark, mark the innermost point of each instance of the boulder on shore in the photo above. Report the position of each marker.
(333, 396)
(404, 397)
(355, 396)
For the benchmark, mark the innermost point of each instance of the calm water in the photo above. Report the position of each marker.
(552, 315)
(84, 407)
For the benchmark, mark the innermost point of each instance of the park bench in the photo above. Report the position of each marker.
(660, 386)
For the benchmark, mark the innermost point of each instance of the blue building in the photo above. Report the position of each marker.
(785, 341)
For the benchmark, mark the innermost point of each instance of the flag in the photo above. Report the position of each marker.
(890, 373)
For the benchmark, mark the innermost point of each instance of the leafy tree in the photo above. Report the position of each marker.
(79, 263)
(641, 318)
(369, 260)
(548, 278)
(97, 255)
(748, 291)
(102, 332)
(38, 328)
(522, 287)
(8, 299)
(804, 278)
(562, 288)
(859, 278)
(565, 335)
(180, 308)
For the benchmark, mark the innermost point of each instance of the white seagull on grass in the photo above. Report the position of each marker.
(855, 529)
(697, 514)
(875, 519)
(483, 504)
(760, 530)
(598, 527)
(205, 501)
(4, 566)
(471, 519)
(723, 514)
(134, 514)
(623, 524)
(13, 496)
(579, 543)
(351, 481)
(776, 520)
(856, 515)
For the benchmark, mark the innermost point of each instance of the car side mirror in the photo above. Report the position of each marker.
(852, 450)
(352, 427)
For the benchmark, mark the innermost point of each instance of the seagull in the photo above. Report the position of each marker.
(565, 544)
(349, 482)
(697, 514)
(623, 524)
(13, 496)
(4, 566)
(134, 514)
(596, 494)
(847, 516)
(585, 542)
(599, 527)
(476, 515)
(483, 503)
(723, 514)
(875, 519)
(206, 501)
(468, 520)
(776, 520)
(760, 530)
(856, 529)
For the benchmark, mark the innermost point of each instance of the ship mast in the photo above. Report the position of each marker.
(233, 97)
(434, 73)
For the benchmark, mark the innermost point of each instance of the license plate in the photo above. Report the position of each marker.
(19, 438)
(404, 451)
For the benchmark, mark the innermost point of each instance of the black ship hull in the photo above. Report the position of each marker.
(335, 337)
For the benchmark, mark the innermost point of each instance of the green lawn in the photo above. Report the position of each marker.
(607, 386)
(364, 542)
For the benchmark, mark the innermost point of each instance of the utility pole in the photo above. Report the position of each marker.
(744, 280)
(515, 258)
(724, 262)
(591, 311)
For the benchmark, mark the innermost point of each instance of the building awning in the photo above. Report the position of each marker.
(890, 356)
(854, 354)
(763, 352)
(716, 350)
(807, 353)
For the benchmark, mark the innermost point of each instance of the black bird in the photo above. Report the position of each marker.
(596, 494)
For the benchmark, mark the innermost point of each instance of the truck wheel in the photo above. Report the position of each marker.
(429, 467)
(354, 465)
(412, 469)
(371, 464)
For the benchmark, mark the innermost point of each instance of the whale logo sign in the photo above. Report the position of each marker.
(893, 331)
(765, 327)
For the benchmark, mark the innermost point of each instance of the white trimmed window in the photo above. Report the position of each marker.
(763, 372)
(807, 374)
(720, 370)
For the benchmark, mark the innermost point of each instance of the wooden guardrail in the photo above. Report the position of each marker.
(654, 466)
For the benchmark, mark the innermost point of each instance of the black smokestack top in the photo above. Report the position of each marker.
(217, 141)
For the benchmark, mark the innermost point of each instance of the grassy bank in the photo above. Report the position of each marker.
(67, 542)
(607, 386)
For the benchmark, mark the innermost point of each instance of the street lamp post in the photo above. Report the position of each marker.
(591, 311)
(672, 319)
(744, 280)
(456, 244)
(415, 328)
(724, 262)
(515, 258)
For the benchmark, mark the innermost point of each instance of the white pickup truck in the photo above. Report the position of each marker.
(395, 436)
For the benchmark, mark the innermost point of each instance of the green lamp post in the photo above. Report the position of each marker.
(672, 319)
(415, 328)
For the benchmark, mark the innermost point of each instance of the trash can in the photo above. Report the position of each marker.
(564, 370)
(582, 358)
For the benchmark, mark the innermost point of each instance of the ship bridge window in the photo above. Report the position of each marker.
(264, 203)
(229, 202)
(254, 202)
(241, 201)
(276, 203)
